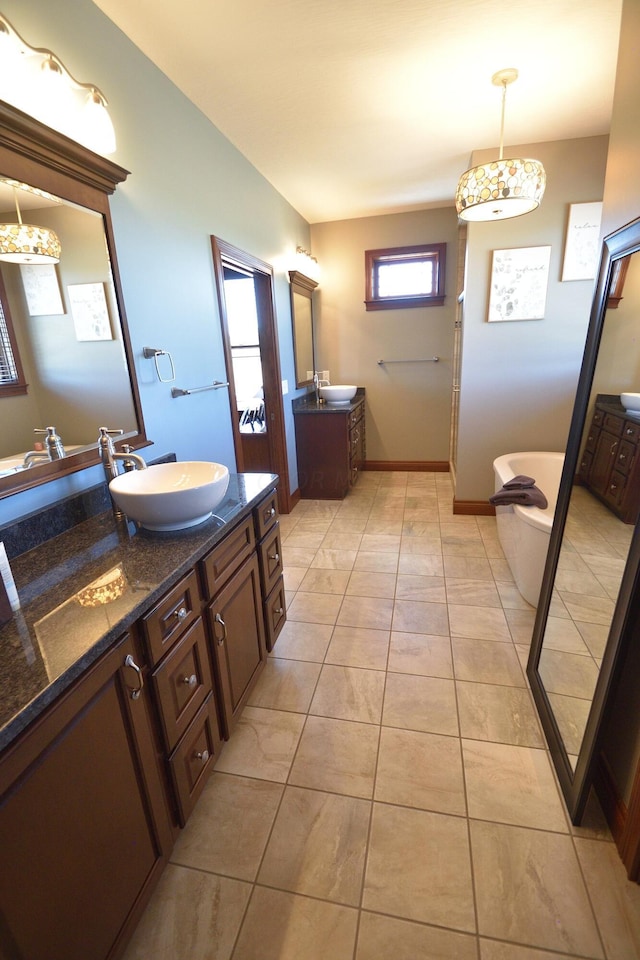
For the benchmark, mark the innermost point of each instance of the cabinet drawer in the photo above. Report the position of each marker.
(228, 556)
(266, 514)
(631, 431)
(613, 424)
(167, 621)
(182, 683)
(592, 436)
(194, 757)
(275, 613)
(270, 555)
(615, 491)
(356, 414)
(626, 453)
(598, 417)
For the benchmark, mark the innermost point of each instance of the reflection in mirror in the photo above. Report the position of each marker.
(302, 288)
(580, 622)
(72, 354)
(77, 362)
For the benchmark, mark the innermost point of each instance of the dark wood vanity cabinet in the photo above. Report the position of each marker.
(610, 466)
(84, 826)
(331, 449)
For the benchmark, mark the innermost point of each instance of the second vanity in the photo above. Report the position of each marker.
(122, 676)
(330, 444)
(610, 465)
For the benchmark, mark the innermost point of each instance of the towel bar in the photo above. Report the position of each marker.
(410, 360)
(177, 392)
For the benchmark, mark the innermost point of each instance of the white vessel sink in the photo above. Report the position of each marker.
(630, 401)
(171, 496)
(338, 393)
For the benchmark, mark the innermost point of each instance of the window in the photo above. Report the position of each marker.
(12, 380)
(405, 277)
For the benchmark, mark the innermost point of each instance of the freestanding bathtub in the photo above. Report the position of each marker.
(524, 532)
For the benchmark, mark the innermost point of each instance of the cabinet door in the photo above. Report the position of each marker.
(603, 460)
(237, 632)
(83, 827)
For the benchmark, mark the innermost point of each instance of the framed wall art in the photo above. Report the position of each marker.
(519, 279)
(41, 289)
(90, 311)
(582, 245)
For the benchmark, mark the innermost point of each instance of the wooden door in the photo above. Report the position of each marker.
(260, 442)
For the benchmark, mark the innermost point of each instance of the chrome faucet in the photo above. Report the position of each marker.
(54, 449)
(110, 457)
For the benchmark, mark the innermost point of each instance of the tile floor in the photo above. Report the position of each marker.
(387, 794)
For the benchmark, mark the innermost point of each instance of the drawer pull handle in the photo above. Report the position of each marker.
(130, 662)
(201, 755)
(275, 557)
(190, 681)
(181, 613)
(629, 431)
(270, 513)
(613, 448)
(219, 620)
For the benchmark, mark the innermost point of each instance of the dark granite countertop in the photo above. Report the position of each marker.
(610, 403)
(54, 638)
(309, 404)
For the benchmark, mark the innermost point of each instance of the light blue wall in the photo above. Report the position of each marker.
(187, 182)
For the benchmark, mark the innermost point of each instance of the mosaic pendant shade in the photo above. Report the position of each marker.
(500, 189)
(25, 243)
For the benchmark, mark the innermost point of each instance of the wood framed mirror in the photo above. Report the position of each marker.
(585, 618)
(302, 288)
(68, 377)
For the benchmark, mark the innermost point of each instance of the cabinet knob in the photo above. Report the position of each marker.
(190, 681)
(629, 431)
(613, 487)
(201, 755)
(279, 611)
(130, 662)
(182, 613)
(622, 458)
(270, 513)
(275, 557)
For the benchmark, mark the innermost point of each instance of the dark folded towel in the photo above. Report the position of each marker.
(519, 482)
(526, 497)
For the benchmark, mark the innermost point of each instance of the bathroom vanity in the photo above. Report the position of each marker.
(609, 465)
(122, 675)
(330, 444)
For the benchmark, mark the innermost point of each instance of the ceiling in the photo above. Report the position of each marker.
(352, 108)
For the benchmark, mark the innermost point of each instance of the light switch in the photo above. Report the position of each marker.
(285, 387)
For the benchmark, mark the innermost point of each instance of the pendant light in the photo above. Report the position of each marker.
(26, 243)
(501, 188)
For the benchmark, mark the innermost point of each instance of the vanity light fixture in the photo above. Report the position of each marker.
(306, 264)
(26, 243)
(36, 81)
(501, 189)
(105, 589)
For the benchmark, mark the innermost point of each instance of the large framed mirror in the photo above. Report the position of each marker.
(584, 621)
(77, 378)
(302, 288)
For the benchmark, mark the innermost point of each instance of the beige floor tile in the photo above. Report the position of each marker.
(501, 570)
(529, 889)
(421, 565)
(478, 622)
(371, 584)
(317, 846)
(337, 755)
(229, 828)
(498, 950)
(192, 912)
(348, 693)
(419, 867)
(472, 592)
(386, 938)
(424, 589)
(497, 713)
(472, 568)
(421, 546)
(293, 577)
(414, 616)
(262, 745)
(521, 623)
(373, 562)
(420, 653)
(344, 523)
(303, 641)
(511, 784)
(420, 703)
(330, 559)
(318, 580)
(341, 540)
(571, 715)
(589, 609)
(285, 685)
(486, 662)
(387, 527)
(616, 900)
(380, 543)
(562, 634)
(284, 926)
(512, 599)
(296, 556)
(421, 770)
(359, 647)
(464, 548)
(368, 612)
(314, 607)
(309, 541)
(568, 674)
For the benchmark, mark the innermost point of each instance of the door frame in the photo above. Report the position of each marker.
(227, 255)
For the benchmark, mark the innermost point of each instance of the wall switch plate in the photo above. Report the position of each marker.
(325, 375)
(309, 374)
(285, 387)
